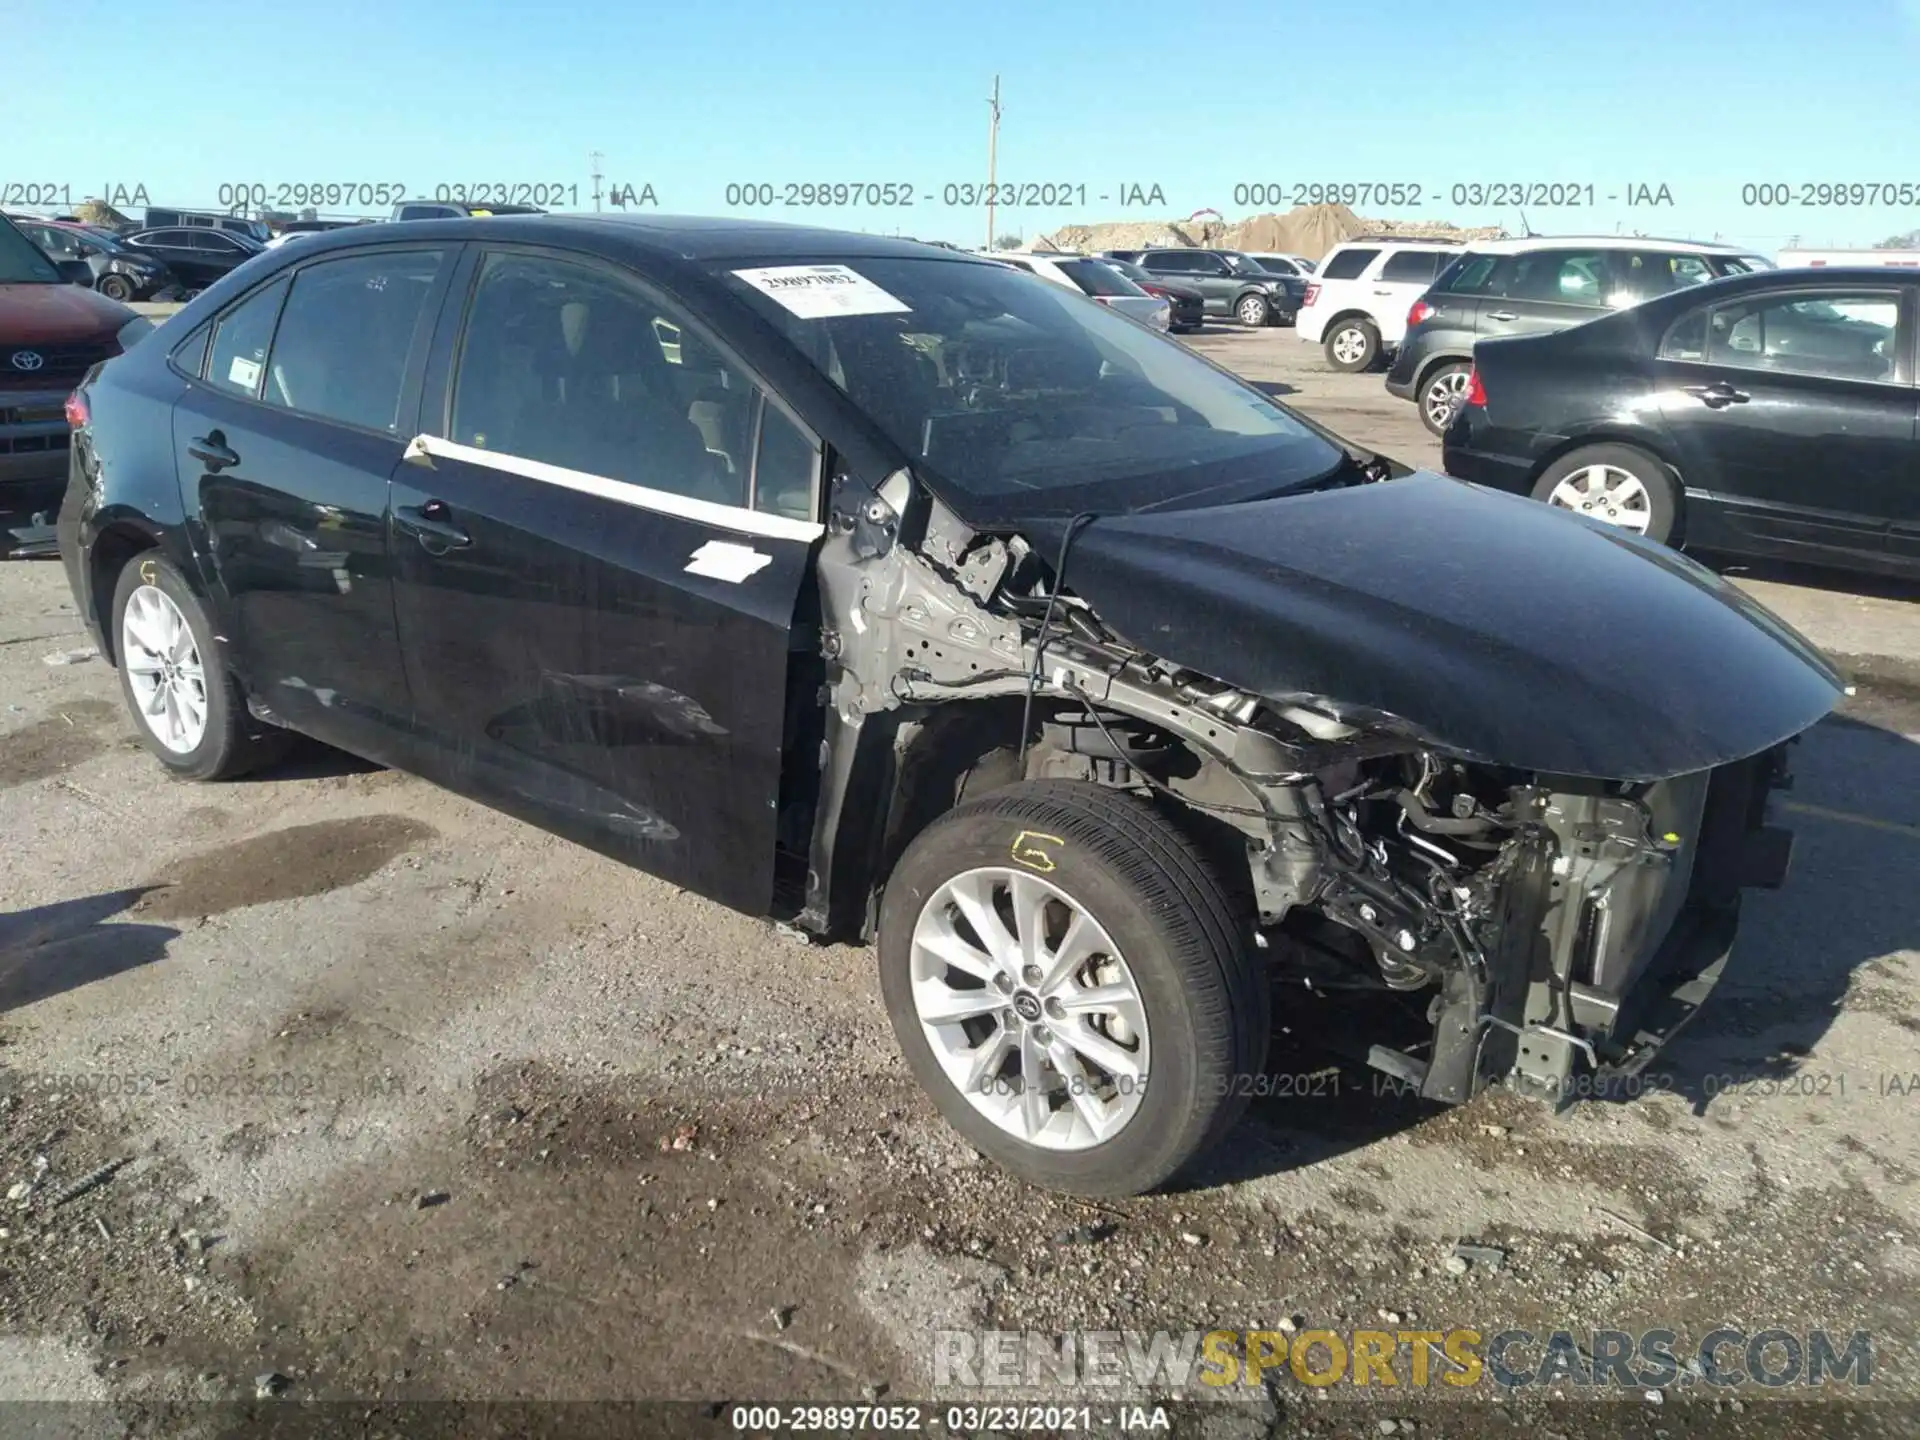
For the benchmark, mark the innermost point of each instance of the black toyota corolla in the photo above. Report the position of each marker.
(892, 592)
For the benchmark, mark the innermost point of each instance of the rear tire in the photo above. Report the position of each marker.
(1615, 484)
(1436, 394)
(1352, 345)
(199, 728)
(1166, 939)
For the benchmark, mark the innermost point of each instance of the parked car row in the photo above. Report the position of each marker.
(1770, 414)
(1231, 284)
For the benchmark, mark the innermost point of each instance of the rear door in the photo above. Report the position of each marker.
(598, 554)
(1794, 411)
(285, 444)
(175, 249)
(1541, 291)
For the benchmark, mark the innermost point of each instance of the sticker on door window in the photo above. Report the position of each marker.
(244, 372)
(814, 292)
(718, 560)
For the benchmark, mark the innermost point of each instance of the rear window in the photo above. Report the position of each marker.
(1417, 265)
(1097, 279)
(1347, 264)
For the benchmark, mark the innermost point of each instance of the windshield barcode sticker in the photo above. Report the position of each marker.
(814, 292)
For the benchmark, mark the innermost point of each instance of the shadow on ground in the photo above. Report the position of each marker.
(50, 949)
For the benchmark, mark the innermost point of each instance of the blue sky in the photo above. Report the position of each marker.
(1699, 97)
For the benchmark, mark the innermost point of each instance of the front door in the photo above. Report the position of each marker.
(1794, 410)
(285, 447)
(598, 554)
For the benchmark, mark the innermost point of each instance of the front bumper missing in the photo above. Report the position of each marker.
(1599, 954)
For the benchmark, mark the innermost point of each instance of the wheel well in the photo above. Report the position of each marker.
(1629, 439)
(115, 546)
(966, 749)
(1360, 315)
(1427, 371)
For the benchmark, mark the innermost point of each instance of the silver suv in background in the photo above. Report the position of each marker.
(1356, 306)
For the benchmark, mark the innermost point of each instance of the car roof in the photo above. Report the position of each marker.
(682, 237)
(1373, 242)
(1522, 244)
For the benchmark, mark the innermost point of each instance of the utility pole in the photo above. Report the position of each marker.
(993, 145)
(595, 159)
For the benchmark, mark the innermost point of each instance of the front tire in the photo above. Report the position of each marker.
(1253, 310)
(116, 287)
(173, 675)
(1616, 484)
(1352, 345)
(1072, 933)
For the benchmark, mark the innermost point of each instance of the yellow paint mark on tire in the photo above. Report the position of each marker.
(1029, 848)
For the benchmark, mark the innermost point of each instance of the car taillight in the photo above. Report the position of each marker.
(77, 413)
(1476, 392)
(1313, 294)
(1420, 311)
(1156, 291)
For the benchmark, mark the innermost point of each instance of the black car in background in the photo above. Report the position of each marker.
(1534, 286)
(1187, 307)
(1231, 285)
(119, 272)
(1769, 414)
(199, 255)
(739, 552)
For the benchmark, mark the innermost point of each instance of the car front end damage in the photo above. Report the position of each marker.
(1560, 922)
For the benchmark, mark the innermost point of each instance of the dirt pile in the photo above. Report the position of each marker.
(1309, 230)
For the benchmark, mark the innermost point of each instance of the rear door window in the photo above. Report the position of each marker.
(1560, 277)
(348, 327)
(237, 361)
(1347, 264)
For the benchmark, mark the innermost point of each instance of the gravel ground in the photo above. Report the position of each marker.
(411, 1102)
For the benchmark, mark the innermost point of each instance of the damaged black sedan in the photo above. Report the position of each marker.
(914, 600)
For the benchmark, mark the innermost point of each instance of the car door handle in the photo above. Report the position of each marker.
(1718, 395)
(1501, 315)
(212, 451)
(431, 523)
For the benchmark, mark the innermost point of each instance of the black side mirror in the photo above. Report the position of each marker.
(76, 272)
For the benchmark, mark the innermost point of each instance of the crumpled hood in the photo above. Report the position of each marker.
(1492, 626)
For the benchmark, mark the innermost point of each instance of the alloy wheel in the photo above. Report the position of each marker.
(1349, 346)
(164, 670)
(1606, 492)
(1029, 1008)
(1442, 395)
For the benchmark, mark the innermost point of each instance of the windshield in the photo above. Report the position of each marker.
(21, 261)
(1021, 394)
(1244, 264)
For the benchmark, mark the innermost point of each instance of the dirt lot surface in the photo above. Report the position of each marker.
(416, 1103)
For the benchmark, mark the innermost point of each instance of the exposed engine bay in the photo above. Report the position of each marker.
(1558, 928)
